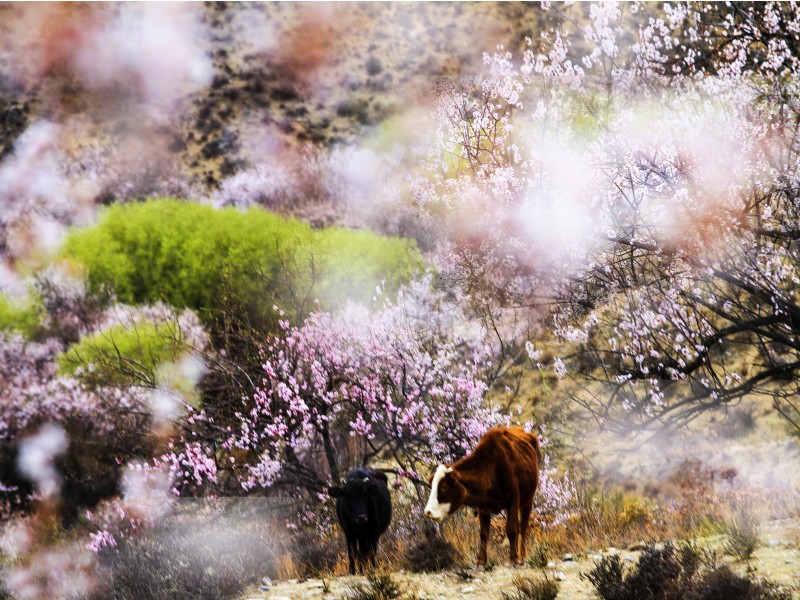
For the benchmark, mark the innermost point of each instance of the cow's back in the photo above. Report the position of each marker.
(513, 455)
(380, 505)
(383, 500)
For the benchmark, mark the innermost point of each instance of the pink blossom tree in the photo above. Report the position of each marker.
(660, 235)
(404, 385)
(107, 420)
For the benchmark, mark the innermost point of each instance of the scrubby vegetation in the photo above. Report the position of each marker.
(204, 560)
(529, 588)
(378, 587)
(667, 573)
(432, 554)
(743, 533)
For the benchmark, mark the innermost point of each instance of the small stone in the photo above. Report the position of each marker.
(559, 576)
(774, 543)
(567, 557)
(629, 558)
(468, 589)
(596, 556)
(640, 545)
(551, 564)
(316, 584)
(374, 66)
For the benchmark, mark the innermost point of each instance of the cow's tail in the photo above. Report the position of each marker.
(533, 439)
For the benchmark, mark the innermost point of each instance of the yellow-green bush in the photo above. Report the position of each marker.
(21, 317)
(191, 255)
(122, 354)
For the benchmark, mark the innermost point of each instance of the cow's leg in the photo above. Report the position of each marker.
(525, 518)
(372, 551)
(486, 528)
(512, 531)
(361, 555)
(351, 555)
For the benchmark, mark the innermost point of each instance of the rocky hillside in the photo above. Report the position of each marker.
(268, 74)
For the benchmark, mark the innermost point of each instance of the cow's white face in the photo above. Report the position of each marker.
(434, 509)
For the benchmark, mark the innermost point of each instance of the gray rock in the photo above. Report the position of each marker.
(266, 584)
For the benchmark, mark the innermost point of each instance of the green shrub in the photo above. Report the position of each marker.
(191, 255)
(122, 354)
(21, 317)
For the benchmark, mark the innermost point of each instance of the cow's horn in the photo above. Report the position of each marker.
(366, 479)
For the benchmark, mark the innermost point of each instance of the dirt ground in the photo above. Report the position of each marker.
(777, 559)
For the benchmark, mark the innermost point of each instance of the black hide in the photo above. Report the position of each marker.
(364, 510)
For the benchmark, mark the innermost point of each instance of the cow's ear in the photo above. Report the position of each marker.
(335, 492)
(372, 488)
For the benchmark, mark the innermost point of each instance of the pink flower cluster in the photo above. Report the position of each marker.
(403, 383)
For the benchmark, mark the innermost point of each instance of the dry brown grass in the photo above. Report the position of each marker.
(694, 501)
(687, 506)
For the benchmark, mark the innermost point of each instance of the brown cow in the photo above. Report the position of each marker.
(502, 473)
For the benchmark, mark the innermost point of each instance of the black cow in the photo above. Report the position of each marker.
(364, 509)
